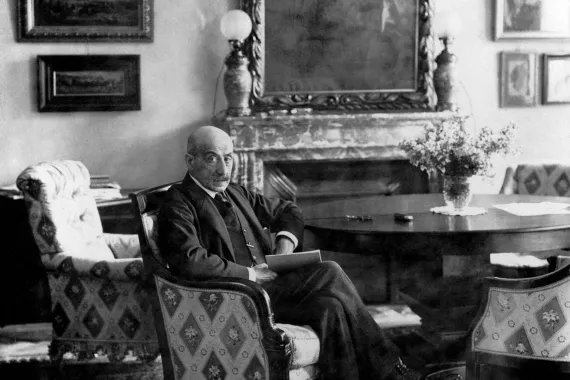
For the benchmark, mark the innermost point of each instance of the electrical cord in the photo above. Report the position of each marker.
(216, 87)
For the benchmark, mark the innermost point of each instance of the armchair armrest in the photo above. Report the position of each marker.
(123, 246)
(240, 307)
(116, 269)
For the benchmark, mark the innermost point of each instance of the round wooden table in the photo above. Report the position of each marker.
(494, 231)
(436, 262)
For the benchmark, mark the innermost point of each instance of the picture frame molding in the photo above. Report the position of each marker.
(504, 101)
(546, 77)
(49, 65)
(422, 99)
(29, 31)
(501, 34)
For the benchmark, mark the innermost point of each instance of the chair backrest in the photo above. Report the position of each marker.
(146, 205)
(538, 178)
(62, 212)
(522, 329)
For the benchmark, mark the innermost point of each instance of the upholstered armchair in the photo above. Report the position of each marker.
(548, 178)
(522, 329)
(537, 178)
(99, 306)
(210, 329)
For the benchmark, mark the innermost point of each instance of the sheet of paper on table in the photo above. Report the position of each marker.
(532, 209)
(284, 263)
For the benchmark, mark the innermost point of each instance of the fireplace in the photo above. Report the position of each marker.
(313, 157)
(276, 153)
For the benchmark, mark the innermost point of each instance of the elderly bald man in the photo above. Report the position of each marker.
(194, 223)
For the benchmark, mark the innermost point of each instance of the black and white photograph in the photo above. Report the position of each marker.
(285, 189)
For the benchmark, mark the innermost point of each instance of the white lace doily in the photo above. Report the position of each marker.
(445, 210)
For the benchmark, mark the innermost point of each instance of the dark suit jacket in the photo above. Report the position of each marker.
(194, 240)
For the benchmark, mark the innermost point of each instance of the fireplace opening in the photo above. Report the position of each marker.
(308, 182)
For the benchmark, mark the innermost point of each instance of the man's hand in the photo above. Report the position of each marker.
(284, 246)
(263, 274)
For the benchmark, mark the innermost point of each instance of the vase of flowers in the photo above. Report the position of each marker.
(457, 155)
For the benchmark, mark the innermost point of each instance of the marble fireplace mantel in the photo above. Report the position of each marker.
(265, 139)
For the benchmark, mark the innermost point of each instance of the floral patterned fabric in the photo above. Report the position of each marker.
(541, 178)
(99, 306)
(213, 334)
(529, 323)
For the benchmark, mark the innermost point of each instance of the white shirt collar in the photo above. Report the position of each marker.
(211, 193)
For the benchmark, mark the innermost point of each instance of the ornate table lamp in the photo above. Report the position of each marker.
(447, 26)
(236, 27)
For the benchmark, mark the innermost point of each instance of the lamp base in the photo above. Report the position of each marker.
(238, 111)
(237, 84)
(445, 79)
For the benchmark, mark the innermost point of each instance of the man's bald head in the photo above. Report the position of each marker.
(209, 157)
(205, 137)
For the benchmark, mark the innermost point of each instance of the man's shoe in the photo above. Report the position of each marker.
(401, 372)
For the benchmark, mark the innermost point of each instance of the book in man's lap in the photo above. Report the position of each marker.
(292, 261)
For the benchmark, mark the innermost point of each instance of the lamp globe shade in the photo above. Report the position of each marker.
(236, 25)
(447, 24)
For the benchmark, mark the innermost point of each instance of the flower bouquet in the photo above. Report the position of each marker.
(450, 150)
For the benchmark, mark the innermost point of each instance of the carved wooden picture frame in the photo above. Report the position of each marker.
(372, 55)
(85, 21)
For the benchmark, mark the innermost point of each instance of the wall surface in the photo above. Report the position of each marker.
(136, 148)
(179, 72)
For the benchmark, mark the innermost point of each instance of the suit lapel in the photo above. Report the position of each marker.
(208, 214)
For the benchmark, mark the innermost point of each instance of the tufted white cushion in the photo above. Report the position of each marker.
(62, 213)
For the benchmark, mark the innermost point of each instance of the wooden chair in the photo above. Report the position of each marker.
(217, 327)
(522, 329)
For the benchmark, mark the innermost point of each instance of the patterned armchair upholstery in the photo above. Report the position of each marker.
(99, 306)
(210, 329)
(533, 178)
(522, 329)
(539, 178)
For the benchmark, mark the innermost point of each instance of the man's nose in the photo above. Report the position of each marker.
(222, 168)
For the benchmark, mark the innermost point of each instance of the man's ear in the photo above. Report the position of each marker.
(189, 159)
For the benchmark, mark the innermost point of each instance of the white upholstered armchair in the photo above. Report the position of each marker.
(99, 306)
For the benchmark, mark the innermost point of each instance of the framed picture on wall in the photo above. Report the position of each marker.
(88, 83)
(518, 79)
(532, 19)
(556, 80)
(85, 20)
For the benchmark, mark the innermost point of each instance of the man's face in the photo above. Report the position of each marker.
(212, 166)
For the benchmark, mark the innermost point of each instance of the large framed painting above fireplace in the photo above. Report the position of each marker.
(341, 55)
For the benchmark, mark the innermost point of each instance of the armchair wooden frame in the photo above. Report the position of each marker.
(275, 342)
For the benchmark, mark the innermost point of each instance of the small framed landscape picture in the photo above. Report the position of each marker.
(518, 79)
(532, 19)
(88, 83)
(85, 20)
(556, 80)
